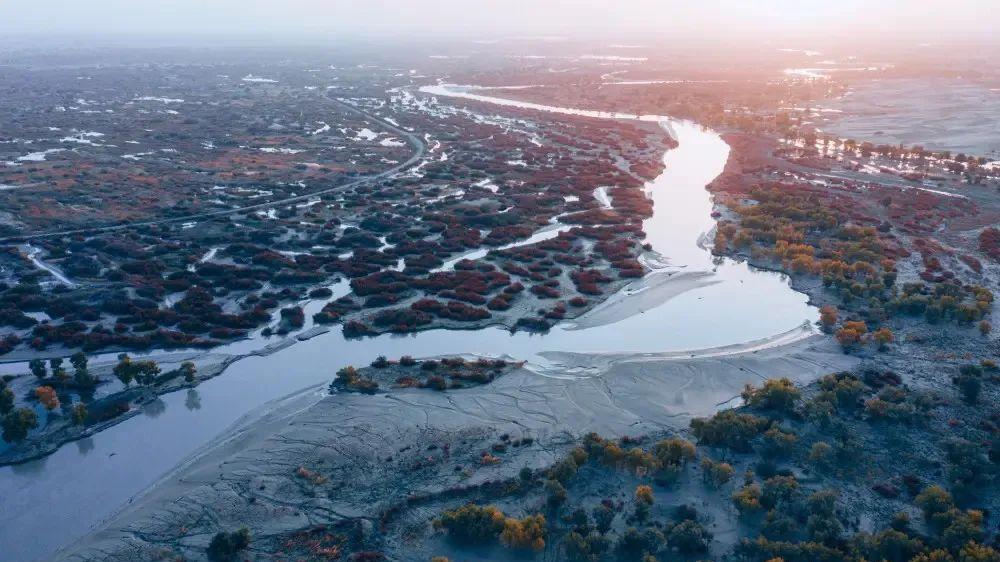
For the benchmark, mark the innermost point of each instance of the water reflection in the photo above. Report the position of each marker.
(31, 469)
(192, 400)
(154, 408)
(85, 445)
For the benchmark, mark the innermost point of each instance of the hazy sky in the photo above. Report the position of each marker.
(935, 19)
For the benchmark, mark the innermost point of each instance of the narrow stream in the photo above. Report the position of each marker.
(32, 253)
(66, 494)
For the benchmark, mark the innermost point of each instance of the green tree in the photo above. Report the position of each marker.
(603, 518)
(79, 414)
(189, 371)
(38, 368)
(57, 369)
(18, 423)
(146, 371)
(6, 401)
(123, 370)
(143, 372)
(79, 361)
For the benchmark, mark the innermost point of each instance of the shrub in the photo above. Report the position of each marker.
(820, 454)
(321, 293)
(934, 500)
(472, 524)
(640, 461)
(728, 429)
(688, 537)
(974, 552)
(349, 378)
(603, 516)
(606, 451)
(356, 329)
(556, 493)
(226, 546)
(778, 443)
(778, 525)
(844, 388)
(888, 545)
(294, 316)
(528, 532)
(566, 469)
(779, 490)
(673, 451)
(764, 549)
(436, 382)
(883, 337)
(969, 381)
(747, 498)
(716, 473)
(347, 375)
(958, 527)
(822, 524)
(644, 494)
(776, 394)
(634, 544)
(850, 333)
(580, 548)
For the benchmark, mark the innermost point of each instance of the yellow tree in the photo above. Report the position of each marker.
(883, 337)
(47, 396)
(828, 316)
(644, 494)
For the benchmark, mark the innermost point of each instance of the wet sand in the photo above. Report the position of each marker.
(643, 295)
(351, 435)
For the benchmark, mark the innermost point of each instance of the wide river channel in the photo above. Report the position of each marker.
(47, 504)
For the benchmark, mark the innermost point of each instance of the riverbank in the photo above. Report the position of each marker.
(255, 470)
(110, 408)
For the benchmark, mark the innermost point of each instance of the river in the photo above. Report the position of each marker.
(64, 495)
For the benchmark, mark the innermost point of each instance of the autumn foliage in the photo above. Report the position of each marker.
(47, 396)
(851, 333)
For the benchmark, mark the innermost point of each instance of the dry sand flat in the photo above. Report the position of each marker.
(644, 294)
(372, 451)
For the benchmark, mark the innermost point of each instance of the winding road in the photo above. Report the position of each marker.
(418, 144)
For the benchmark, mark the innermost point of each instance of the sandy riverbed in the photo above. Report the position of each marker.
(352, 435)
(642, 295)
